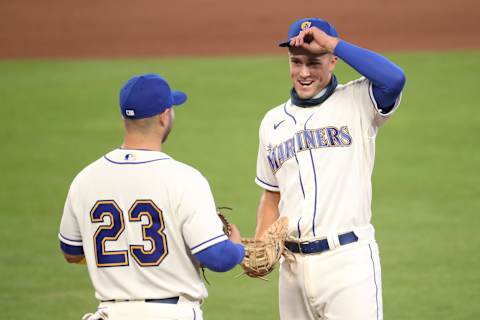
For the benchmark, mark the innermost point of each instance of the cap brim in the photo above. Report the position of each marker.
(284, 44)
(178, 97)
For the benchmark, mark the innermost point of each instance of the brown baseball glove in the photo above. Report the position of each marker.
(262, 254)
(227, 228)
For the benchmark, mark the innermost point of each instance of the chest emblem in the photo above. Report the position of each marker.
(304, 140)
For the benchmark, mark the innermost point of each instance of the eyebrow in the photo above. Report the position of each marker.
(309, 60)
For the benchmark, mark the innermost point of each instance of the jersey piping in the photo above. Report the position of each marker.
(140, 162)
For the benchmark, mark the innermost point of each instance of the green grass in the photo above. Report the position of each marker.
(58, 116)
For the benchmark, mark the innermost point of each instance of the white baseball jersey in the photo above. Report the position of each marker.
(321, 159)
(140, 215)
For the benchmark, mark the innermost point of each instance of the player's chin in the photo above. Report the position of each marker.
(305, 92)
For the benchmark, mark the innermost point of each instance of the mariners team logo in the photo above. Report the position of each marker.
(305, 140)
(305, 25)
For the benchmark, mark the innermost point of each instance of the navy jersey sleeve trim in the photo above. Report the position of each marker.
(71, 250)
(266, 185)
(208, 243)
(62, 237)
(71, 243)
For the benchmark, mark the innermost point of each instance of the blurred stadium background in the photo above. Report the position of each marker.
(63, 62)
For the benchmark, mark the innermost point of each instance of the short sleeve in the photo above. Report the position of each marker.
(265, 177)
(201, 226)
(370, 110)
(70, 236)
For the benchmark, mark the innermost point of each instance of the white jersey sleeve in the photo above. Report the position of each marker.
(201, 227)
(372, 114)
(70, 235)
(265, 177)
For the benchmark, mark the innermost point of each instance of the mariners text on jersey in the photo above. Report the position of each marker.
(305, 140)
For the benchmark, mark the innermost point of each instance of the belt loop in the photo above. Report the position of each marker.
(333, 241)
(299, 244)
(336, 240)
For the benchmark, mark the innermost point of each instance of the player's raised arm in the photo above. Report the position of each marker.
(387, 78)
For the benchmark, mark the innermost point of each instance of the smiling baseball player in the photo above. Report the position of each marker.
(315, 162)
(143, 221)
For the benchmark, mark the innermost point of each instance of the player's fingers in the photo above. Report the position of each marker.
(235, 235)
(301, 37)
(294, 41)
(300, 40)
(235, 230)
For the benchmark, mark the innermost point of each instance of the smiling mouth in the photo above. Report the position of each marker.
(305, 83)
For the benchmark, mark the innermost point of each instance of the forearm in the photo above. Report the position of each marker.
(267, 211)
(222, 256)
(387, 78)
(78, 259)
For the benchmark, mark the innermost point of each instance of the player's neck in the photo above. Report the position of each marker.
(141, 142)
(318, 98)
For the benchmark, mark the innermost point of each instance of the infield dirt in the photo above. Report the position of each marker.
(121, 28)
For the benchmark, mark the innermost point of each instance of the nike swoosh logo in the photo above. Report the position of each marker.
(275, 126)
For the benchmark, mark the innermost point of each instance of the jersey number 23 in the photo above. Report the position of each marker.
(152, 232)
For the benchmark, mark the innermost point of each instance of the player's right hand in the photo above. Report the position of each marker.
(315, 41)
(235, 235)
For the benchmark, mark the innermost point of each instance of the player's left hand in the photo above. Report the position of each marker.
(315, 41)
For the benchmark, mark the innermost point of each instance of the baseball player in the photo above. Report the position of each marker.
(143, 221)
(315, 162)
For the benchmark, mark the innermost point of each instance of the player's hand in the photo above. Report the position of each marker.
(315, 41)
(235, 235)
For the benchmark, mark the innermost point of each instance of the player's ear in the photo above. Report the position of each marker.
(164, 117)
(333, 62)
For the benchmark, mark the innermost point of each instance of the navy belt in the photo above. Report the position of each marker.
(318, 246)
(173, 300)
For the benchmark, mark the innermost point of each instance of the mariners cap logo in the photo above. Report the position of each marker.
(305, 25)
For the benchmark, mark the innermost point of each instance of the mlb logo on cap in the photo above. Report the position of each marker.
(302, 24)
(148, 95)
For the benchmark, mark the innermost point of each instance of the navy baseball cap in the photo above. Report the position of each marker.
(306, 23)
(147, 95)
